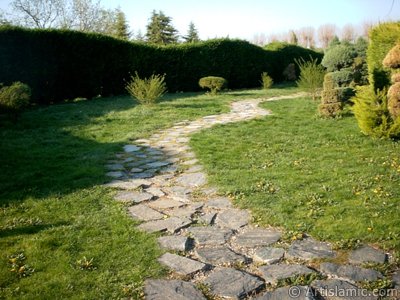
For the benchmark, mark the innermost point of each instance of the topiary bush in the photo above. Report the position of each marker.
(382, 38)
(394, 100)
(14, 98)
(311, 76)
(148, 90)
(213, 83)
(266, 81)
(342, 77)
(371, 111)
(392, 61)
(331, 105)
(338, 57)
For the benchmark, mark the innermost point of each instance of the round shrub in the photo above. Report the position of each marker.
(14, 98)
(396, 77)
(213, 83)
(394, 100)
(392, 59)
(338, 57)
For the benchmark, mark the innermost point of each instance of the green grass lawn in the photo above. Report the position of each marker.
(307, 174)
(54, 209)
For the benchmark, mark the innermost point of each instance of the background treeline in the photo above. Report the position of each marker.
(62, 64)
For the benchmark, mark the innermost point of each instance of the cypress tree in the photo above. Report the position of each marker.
(121, 25)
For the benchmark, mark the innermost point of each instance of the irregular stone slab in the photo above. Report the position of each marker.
(351, 273)
(192, 179)
(157, 164)
(194, 169)
(367, 254)
(181, 265)
(310, 249)
(335, 289)
(257, 237)
(190, 162)
(115, 167)
(144, 213)
(269, 255)
(210, 235)
(155, 191)
(273, 273)
(289, 293)
(396, 279)
(219, 256)
(171, 225)
(178, 243)
(233, 284)
(219, 203)
(115, 174)
(207, 219)
(186, 211)
(136, 170)
(131, 184)
(131, 148)
(144, 175)
(233, 218)
(133, 197)
(165, 203)
(158, 289)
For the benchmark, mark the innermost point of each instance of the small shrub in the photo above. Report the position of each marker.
(311, 76)
(14, 98)
(214, 83)
(266, 81)
(392, 59)
(372, 114)
(147, 90)
(290, 72)
(330, 106)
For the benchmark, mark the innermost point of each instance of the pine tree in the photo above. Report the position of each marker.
(192, 35)
(160, 31)
(121, 25)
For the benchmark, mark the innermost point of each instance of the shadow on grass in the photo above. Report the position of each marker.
(26, 230)
(40, 157)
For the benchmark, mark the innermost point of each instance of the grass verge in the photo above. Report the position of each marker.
(307, 174)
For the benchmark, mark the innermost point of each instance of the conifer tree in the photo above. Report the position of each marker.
(192, 35)
(121, 25)
(160, 30)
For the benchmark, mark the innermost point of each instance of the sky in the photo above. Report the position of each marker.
(246, 18)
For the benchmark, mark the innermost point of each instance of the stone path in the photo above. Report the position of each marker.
(214, 250)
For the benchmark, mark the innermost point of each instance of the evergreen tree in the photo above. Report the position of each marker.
(121, 25)
(192, 35)
(160, 31)
(139, 36)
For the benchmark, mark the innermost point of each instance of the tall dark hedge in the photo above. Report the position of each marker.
(60, 65)
(382, 38)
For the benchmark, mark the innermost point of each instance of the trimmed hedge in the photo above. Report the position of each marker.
(60, 64)
(382, 38)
